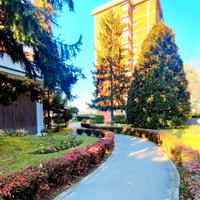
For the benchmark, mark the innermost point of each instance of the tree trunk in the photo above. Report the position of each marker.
(48, 112)
(111, 96)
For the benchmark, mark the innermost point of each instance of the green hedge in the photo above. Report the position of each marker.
(81, 117)
(99, 119)
(119, 119)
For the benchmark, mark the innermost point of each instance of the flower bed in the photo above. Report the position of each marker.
(33, 181)
(186, 159)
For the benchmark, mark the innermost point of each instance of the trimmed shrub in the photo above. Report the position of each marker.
(81, 117)
(85, 125)
(30, 182)
(91, 131)
(99, 119)
(119, 119)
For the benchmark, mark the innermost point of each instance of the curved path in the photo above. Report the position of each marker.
(137, 170)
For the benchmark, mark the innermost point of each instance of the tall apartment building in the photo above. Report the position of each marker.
(138, 16)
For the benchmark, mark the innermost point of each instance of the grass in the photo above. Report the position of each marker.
(16, 152)
(189, 135)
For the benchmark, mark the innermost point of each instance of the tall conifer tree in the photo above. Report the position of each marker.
(111, 75)
(158, 95)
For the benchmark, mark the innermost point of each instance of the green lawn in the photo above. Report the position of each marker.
(189, 135)
(16, 152)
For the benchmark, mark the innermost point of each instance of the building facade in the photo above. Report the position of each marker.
(24, 113)
(138, 16)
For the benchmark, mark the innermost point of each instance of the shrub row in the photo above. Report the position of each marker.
(119, 119)
(114, 129)
(186, 159)
(91, 132)
(81, 117)
(99, 119)
(34, 181)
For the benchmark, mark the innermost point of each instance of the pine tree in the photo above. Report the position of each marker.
(24, 25)
(111, 75)
(158, 96)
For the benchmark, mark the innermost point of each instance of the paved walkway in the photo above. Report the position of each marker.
(137, 170)
(74, 126)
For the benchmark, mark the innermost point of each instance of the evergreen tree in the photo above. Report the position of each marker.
(24, 25)
(111, 75)
(74, 110)
(158, 96)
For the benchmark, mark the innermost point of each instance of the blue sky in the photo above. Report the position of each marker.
(182, 16)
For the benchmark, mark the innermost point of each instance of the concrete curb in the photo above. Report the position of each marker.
(176, 182)
(73, 188)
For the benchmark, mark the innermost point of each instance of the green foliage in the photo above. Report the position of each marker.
(56, 103)
(23, 25)
(54, 146)
(99, 119)
(111, 76)
(74, 110)
(67, 115)
(81, 117)
(10, 89)
(158, 95)
(119, 119)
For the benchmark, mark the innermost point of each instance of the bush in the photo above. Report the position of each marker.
(55, 129)
(195, 115)
(119, 119)
(30, 182)
(91, 132)
(85, 125)
(99, 119)
(58, 146)
(114, 129)
(81, 117)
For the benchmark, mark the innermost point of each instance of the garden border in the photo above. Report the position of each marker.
(72, 188)
(29, 182)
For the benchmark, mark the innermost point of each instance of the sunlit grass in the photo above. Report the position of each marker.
(189, 135)
(17, 152)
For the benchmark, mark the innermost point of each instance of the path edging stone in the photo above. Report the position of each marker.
(176, 182)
